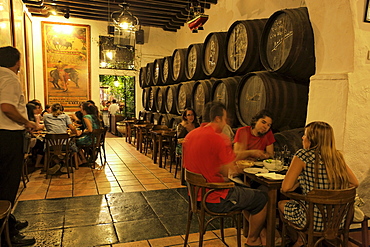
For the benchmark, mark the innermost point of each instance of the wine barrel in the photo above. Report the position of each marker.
(145, 98)
(167, 71)
(292, 139)
(184, 95)
(224, 90)
(171, 99)
(287, 44)
(151, 104)
(282, 96)
(157, 118)
(214, 55)
(243, 41)
(158, 67)
(142, 77)
(193, 64)
(159, 99)
(165, 119)
(174, 121)
(201, 95)
(149, 117)
(149, 74)
(178, 65)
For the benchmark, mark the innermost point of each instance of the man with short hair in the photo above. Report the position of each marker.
(255, 141)
(13, 122)
(209, 152)
(113, 108)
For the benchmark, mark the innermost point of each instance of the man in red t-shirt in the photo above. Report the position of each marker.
(255, 141)
(209, 152)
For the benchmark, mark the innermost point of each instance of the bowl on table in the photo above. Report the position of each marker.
(242, 164)
(273, 165)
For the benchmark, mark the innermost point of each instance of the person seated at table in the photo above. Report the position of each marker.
(227, 130)
(47, 110)
(188, 123)
(255, 141)
(207, 152)
(57, 122)
(77, 118)
(333, 172)
(34, 110)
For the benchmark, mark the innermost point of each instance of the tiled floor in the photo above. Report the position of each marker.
(89, 209)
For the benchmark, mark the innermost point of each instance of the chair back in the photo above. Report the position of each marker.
(57, 144)
(160, 127)
(335, 206)
(197, 185)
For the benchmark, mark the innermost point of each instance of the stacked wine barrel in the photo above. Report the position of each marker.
(257, 64)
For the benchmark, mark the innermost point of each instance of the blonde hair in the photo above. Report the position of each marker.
(321, 137)
(56, 109)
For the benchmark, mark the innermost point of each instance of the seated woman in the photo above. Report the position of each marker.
(188, 123)
(57, 122)
(333, 172)
(255, 141)
(46, 111)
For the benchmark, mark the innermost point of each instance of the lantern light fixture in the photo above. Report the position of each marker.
(124, 19)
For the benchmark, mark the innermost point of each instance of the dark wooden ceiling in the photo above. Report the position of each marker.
(167, 14)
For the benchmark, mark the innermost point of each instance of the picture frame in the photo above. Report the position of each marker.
(367, 12)
(6, 24)
(66, 59)
(29, 55)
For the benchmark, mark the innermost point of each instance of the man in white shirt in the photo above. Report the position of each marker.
(13, 122)
(113, 108)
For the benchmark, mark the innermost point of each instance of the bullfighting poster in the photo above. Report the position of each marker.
(66, 53)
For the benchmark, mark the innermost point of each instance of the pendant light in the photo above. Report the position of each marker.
(124, 19)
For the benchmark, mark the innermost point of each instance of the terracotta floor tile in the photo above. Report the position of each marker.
(133, 244)
(129, 182)
(60, 187)
(170, 180)
(126, 177)
(132, 188)
(174, 185)
(107, 184)
(84, 186)
(58, 194)
(145, 176)
(145, 181)
(169, 241)
(86, 192)
(155, 186)
(209, 243)
(33, 196)
(194, 237)
(109, 190)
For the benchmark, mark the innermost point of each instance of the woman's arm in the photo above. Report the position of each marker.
(352, 178)
(242, 153)
(290, 182)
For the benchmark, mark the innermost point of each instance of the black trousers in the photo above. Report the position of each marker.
(11, 161)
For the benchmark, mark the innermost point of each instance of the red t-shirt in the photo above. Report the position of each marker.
(205, 151)
(244, 135)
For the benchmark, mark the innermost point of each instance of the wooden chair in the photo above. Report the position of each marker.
(92, 150)
(5, 210)
(364, 234)
(196, 184)
(58, 147)
(29, 143)
(336, 207)
(101, 151)
(169, 148)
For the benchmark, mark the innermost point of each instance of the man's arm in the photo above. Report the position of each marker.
(11, 112)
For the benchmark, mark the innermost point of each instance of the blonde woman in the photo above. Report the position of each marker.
(333, 172)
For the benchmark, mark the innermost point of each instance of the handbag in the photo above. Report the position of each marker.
(358, 214)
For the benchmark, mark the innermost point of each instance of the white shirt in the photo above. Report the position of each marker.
(11, 93)
(113, 109)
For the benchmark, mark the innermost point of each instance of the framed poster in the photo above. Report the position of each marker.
(66, 57)
(19, 43)
(5, 24)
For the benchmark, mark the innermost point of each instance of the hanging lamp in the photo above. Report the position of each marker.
(124, 19)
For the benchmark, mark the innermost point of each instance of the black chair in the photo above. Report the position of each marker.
(102, 147)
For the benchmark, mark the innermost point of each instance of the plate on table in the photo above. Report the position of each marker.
(258, 163)
(255, 170)
(271, 176)
(242, 164)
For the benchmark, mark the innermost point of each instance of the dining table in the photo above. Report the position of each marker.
(158, 137)
(273, 187)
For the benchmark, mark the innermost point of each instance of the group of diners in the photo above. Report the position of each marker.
(56, 121)
(207, 150)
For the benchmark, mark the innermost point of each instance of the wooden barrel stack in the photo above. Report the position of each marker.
(257, 64)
